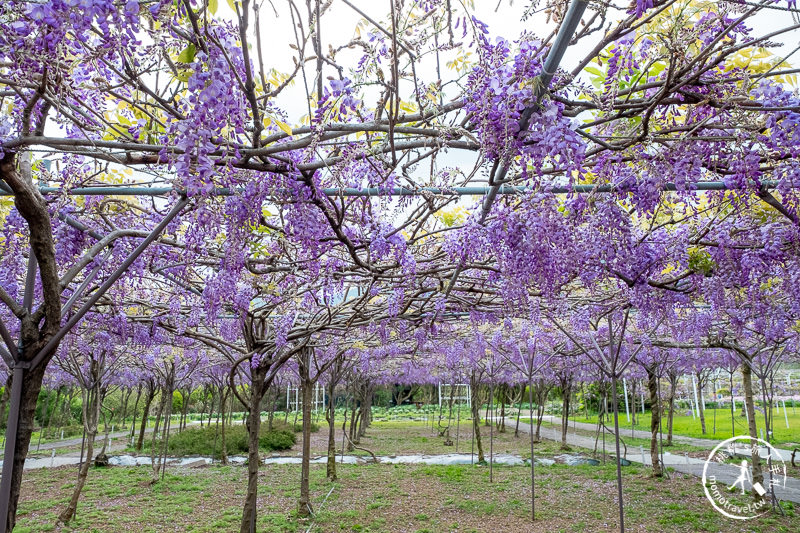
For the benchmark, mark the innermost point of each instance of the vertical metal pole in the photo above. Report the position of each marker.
(533, 459)
(785, 414)
(625, 390)
(458, 423)
(11, 445)
(30, 279)
(491, 433)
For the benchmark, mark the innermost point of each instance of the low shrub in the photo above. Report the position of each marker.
(207, 441)
(299, 427)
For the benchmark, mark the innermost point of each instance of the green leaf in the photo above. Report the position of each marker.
(595, 71)
(212, 6)
(187, 55)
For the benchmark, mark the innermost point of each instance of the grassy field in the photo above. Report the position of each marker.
(385, 498)
(380, 498)
(684, 424)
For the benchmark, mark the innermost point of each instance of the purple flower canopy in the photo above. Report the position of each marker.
(296, 233)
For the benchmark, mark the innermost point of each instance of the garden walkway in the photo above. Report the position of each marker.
(726, 474)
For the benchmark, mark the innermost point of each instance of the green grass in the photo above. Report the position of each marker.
(633, 443)
(684, 424)
(372, 498)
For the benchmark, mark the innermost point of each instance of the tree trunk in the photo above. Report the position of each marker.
(655, 419)
(151, 393)
(272, 409)
(31, 384)
(135, 410)
(223, 452)
(476, 420)
(162, 404)
(185, 408)
(673, 383)
(307, 387)
(250, 510)
(330, 415)
(701, 408)
(566, 392)
(747, 384)
(126, 396)
(92, 400)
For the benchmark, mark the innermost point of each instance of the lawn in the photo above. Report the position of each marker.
(684, 424)
(370, 498)
(374, 498)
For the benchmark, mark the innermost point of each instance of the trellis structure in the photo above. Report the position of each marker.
(461, 395)
(294, 402)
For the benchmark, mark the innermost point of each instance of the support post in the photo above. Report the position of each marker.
(533, 458)
(785, 414)
(694, 391)
(625, 391)
(615, 406)
(11, 443)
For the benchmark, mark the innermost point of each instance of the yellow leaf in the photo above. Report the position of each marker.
(285, 128)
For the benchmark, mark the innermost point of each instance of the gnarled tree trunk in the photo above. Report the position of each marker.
(148, 401)
(92, 401)
(306, 390)
(747, 385)
(249, 511)
(476, 418)
(655, 420)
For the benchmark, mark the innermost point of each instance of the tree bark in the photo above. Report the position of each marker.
(92, 400)
(306, 389)
(330, 415)
(32, 206)
(148, 401)
(747, 384)
(31, 385)
(566, 393)
(476, 419)
(655, 419)
(673, 383)
(250, 509)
